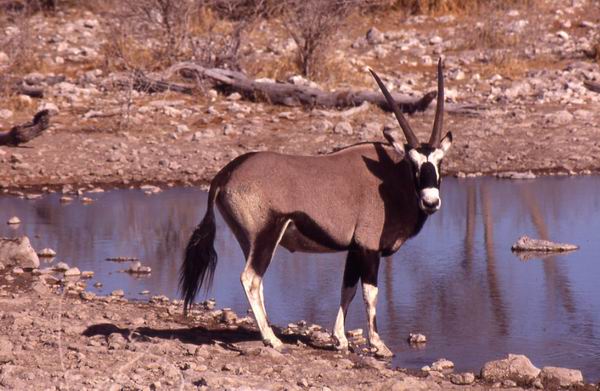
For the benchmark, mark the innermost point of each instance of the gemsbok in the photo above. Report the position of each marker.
(366, 199)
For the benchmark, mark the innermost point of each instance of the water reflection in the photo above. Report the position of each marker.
(457, 282)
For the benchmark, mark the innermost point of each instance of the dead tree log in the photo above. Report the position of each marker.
(144, 84)
(592, 86)
(287, 94)
(23, 133)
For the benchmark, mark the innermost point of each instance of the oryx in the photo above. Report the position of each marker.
(366, 199)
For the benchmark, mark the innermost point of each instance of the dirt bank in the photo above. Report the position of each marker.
(64, 339)
(524, 68)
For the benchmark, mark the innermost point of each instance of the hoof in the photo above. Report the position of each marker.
(340, 344)
(274, 343)
(382, 351)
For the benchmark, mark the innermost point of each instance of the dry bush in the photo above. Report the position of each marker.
(153, 34)
(313, 24)
(442, 6)
(220, 28)
(17, 42)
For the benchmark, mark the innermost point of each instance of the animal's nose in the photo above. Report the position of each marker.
(431, 203)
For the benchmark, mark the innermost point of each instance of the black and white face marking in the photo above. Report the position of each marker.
(426, 162)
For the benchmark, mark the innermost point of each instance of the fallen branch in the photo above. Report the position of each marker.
(286, 94)
(143, 83)
(23, 133)
(592, 86)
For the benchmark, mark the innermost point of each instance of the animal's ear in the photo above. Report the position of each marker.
(446, 142)
(389, 136)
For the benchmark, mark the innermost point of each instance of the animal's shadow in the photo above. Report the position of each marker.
(199, 335)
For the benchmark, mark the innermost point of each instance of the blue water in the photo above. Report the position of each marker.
(457, 282)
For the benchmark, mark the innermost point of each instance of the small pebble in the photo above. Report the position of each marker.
(14, 221)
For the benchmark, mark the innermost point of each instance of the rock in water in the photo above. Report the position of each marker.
(516, 367)
(526, 243)
(18, 252)
(14, 221)
(561, 377)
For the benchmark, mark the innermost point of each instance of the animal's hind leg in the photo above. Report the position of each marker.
(259, 256)
(349, 284)
(368, 277)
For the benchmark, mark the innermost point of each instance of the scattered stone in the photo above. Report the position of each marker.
(65, 199)
(228, 316)
(18, 252)
(14, 221)
(442, 364)
(561, 377)
(374, 36)
(416, 338)
(46, 253)
(61, 267)
(72, 272)
(51, 107)
(137, 268)
(87, 274)
(87, 296)
(117, 293)
(462, 378)
(18, 270)
(515, 367)
(343, 127)
(122, 259)
(5, 113)
(86, 200)
(563, 35)
(559, 118)
(436, 40)
(525, 243)
(149, 189)
(516, 175)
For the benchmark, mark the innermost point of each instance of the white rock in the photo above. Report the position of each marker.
(14, 221)
(562, 117)
(5, 113)
(374, 36)
(18, 252)
(47, 253)
(563, 35)
(235, 96)
(71, 272)
(442, 364)
(117, 293)
(436, 40)
(343, 127)
(563, 376)
(61, 267)
(516, 367)
(417, 338)
(51, 107)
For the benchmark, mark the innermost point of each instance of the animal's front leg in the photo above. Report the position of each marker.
(370, 290)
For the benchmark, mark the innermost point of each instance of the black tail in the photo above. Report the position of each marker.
(200, 259)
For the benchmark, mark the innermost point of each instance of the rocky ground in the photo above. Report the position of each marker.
(56, 335)
(523, 67)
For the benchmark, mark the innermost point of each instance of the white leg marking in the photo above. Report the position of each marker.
(253, 287)
(338, 330)
(370, 298)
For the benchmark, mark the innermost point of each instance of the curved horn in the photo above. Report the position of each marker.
(438, 123)
(412, 140)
